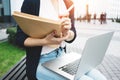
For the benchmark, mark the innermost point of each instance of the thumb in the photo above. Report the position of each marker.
(51, 34)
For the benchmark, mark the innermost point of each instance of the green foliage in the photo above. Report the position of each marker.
(12, 34)
(9, 56)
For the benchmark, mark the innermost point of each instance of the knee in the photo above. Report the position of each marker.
(96, 75)
(85, 77)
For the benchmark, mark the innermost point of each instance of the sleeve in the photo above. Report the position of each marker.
(20, 37)
(29, 7)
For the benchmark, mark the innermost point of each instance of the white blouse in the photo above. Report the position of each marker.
(47, 10)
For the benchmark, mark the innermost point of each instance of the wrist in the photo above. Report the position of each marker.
(71, 35)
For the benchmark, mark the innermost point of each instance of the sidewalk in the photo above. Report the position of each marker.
(110, 66)
(3, 35)
(3, 26)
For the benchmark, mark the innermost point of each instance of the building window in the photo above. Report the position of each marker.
(0, 7)
(0, 1)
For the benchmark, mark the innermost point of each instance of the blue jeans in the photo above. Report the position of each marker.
(45, 74)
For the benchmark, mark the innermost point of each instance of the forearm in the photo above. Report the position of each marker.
(31, 42)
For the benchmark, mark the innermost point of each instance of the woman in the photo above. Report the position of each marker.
(39, 50)
(37, 47)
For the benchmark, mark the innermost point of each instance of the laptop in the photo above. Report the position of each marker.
(72, 65)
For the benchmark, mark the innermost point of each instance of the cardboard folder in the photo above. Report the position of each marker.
(35, 26)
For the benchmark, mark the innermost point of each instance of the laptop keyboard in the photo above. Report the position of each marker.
(71, 68)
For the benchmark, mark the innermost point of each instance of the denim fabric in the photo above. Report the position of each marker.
(45, 74)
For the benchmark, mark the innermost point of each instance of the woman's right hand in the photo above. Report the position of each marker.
(50, 39)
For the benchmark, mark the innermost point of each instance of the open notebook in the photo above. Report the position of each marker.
(35, 26)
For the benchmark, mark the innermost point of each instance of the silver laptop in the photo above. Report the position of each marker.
(72, 65)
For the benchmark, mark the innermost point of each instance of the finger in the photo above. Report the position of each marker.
(64, 37)
(66, 23)
(65, 19)
(66, 27)
(51, 34)
(65, 32)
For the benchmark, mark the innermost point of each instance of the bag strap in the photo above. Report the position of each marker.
(68, 3)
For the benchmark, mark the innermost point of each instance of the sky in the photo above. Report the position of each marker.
(111, 7)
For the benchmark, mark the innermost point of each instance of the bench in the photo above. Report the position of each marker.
(18, 72)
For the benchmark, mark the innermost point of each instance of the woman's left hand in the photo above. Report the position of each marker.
(66, 25)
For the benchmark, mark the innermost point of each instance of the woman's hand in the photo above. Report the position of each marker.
(67, 34)
(66, 26)
(50, 39)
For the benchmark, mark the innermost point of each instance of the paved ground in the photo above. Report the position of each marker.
(3, 34)
(110, 66)
(3, 27)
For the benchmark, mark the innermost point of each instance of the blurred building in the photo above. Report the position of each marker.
(110, 7)
(5, 11)
(115, 9)
(7, 7)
